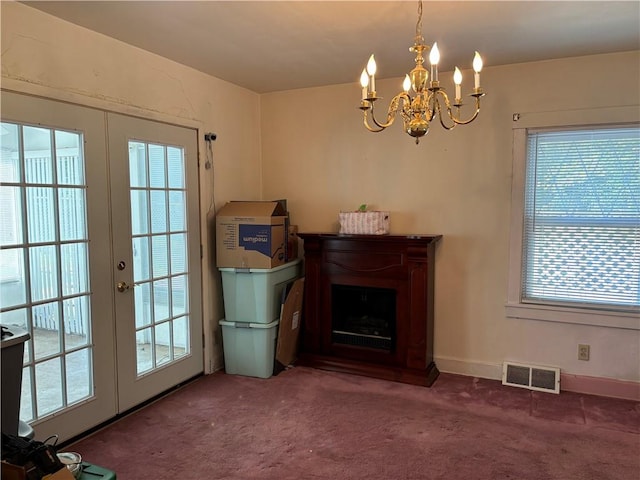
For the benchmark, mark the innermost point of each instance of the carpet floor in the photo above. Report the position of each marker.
(311, 424)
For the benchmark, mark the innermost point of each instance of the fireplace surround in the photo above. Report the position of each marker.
(368, 306)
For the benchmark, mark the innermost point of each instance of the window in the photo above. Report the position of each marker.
(575, 252)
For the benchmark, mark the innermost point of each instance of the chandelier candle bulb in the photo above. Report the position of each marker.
(406, 85)
(371, 70)
(477, 67)
(457, 79)
(364, 81)
(434, 58)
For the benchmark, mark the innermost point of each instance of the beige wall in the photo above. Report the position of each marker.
(456, 183)
(318, 155)
(45, 56)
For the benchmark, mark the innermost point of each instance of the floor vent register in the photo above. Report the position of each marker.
(533, 377)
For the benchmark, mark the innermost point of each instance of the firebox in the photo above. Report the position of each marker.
(363, 316)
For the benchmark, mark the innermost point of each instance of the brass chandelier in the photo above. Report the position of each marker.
(429, 100)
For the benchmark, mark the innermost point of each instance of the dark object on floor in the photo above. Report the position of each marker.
(37, 458)
(94, 472)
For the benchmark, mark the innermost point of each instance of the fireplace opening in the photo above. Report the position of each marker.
(363, 316)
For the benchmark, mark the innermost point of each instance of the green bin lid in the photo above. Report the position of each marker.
(224, 323)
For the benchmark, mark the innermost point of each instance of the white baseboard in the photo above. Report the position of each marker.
(458, 366)
(606, 387)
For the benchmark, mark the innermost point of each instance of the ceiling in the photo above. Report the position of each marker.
(268, 46)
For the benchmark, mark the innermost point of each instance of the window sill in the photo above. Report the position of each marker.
(600, 318)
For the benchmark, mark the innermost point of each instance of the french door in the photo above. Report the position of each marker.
(156, 248)
(99, 259)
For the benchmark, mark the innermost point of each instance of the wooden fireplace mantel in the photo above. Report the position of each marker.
(404, 263)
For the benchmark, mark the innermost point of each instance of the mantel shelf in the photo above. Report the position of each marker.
(372, 238)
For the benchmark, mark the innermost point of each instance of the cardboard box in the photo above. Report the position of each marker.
(251, 235)
(62, 474)
(289, 331)
(13, 472)
(17, 472)
(292, 243)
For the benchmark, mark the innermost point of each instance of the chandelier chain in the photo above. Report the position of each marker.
(419, 38)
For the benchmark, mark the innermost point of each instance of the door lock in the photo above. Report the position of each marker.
(123, 286)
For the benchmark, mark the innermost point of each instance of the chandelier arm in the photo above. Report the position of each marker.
(369, 127)
(473, 117)
(449, 113)
(454, 119)
(382, 126)
(406, 116)
(432, 106)
(446, 127)
(394, 107)
(436, 108)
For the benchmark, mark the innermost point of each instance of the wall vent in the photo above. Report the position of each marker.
(533, 377)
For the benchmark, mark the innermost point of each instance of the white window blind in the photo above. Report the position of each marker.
(581, 236)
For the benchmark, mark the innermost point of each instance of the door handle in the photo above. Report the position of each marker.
(123, 286)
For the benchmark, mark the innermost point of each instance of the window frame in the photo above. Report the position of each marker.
(552, 311)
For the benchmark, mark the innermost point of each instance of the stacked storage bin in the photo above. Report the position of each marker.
(13, 340)
(252, 304)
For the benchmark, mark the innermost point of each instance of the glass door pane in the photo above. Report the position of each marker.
(50, 298)
(156, 184)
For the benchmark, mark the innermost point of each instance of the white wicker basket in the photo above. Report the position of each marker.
(364, 223)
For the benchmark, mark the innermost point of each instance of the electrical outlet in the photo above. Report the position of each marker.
(583, 352)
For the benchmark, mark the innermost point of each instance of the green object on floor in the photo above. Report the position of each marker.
(94, 472)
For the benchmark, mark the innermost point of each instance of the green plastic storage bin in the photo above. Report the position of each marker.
(249, 348)
(94, 472)
(254, 295)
